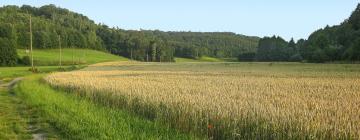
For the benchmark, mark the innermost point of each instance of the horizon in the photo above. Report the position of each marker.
(250, 18)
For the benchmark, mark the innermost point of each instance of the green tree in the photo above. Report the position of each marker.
(8, 55)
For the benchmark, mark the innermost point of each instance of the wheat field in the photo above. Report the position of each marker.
(230, 100)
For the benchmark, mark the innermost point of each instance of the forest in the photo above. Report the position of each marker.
(52, 26)
(330, 44)
(77, 31)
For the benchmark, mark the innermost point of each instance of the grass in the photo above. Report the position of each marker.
(17, 119)
(201, 59)
(12, 124)
(230, 100)
(8, 73)
(210, 59)
(76, 118)
(20, 121)
(48, 57)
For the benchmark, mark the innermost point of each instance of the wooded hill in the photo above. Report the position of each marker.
(76, 30)
(340, 42)
(336, 43)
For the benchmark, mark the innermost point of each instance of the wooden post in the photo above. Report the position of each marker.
(60, 51)
(31, 50)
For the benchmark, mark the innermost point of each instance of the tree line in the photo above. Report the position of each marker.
(336, 43)
(78, 31)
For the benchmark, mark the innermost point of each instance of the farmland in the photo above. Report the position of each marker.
(229, 100)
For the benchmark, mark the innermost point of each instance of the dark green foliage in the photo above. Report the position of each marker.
(8, 55)
(353, 52)
(247, 57)
(335, 43)
(197, 44)
(276, 49)
(77, 31)
(296, 58)
(25, 61)
(159, 46)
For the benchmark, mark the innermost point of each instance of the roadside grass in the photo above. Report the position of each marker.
(50, 57)
(78, 118)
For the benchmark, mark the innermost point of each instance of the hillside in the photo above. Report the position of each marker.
(46, 57)
(52, 25)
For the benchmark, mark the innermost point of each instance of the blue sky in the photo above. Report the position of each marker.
(286, 18)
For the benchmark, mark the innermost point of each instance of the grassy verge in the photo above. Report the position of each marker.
(48, 57)
(77, 118)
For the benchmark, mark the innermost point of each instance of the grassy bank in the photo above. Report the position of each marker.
(76, 118)
(47, 57)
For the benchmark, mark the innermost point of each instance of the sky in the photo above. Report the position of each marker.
(286, 18)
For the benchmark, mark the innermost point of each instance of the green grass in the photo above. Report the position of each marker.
(210, 59)
(205, 59)
(78, 118)
(7, 73)
(19, 121)
(201, 59)
(12, 125)
(47, 57)
(182, 60)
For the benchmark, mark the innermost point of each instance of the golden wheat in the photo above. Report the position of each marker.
(222, 104)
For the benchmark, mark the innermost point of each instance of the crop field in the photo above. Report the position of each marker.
(229, 100)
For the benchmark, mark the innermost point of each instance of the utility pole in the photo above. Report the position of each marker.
(60, 50)
(31, 50)
(73, 53)
(131, 57)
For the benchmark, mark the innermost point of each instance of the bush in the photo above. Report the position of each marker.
(25, 60)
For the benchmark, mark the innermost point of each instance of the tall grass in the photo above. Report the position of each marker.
(229, 102)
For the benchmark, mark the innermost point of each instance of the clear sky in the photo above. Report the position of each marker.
(286, 18)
